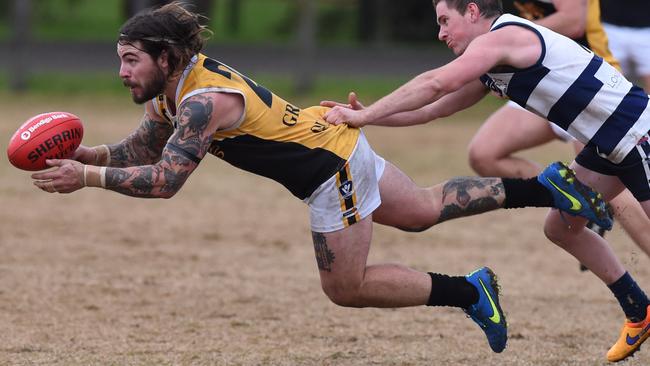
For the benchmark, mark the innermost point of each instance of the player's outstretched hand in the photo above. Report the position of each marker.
(338, 115)
(353, 103)
(67, 176)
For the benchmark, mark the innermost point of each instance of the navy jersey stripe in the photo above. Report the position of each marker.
(620, 122)
(523, 83)
(578, 96)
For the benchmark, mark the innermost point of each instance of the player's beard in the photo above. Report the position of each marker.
(151, 89)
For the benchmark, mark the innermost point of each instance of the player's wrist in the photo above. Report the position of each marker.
(102, 155)
(94, 176)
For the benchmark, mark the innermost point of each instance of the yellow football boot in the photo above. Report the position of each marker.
(632, 335)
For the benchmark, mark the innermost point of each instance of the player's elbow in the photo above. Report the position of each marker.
(166, 194)
(438, 89)
(171, 186)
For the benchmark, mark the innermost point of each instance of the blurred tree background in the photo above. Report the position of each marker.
(236, 20)
(303, 26)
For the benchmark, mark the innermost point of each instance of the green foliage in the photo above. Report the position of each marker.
(259, 21)
(76, 19)
(276, 21)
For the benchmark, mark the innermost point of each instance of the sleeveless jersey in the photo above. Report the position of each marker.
(273, 138)
(574, 88)
(594, 37)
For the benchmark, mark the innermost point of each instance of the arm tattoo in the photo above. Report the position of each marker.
(324, 256)
(172, 168)
(193, 120)
(151, 181)
(143, 146)
(466, 196)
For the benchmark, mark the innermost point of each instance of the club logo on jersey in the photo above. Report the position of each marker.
(290, 117)
(319, 126)
(346, 189)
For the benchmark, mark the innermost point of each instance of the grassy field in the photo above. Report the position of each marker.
(224, 273)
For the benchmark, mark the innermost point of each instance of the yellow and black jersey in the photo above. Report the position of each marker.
(273, 138)
(594, 37)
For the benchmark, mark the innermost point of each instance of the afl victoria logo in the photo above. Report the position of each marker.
(25, 135)
(346, 190)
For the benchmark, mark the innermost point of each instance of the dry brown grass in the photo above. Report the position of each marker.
(224, 273)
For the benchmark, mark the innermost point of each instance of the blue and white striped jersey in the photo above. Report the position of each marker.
(575, 89)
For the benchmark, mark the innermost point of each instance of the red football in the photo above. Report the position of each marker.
(53, 135)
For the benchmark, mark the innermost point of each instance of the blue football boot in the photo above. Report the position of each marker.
(574, 197)
(487, 312)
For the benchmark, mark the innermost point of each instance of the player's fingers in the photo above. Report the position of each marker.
(46, 185)
(45, 175)
(354, 101)
(332, 104)
(330, 116)
(54, 162)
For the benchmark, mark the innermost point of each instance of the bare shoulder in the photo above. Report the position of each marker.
(202, 107)
(515, 46)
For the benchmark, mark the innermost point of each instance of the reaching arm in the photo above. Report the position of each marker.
(485, 52)
(451, 103)
(143, 146)
(197, 121)
(506, 46)
(569, 19)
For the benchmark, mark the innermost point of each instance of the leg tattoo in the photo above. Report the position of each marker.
(466, 196)
(324, 256)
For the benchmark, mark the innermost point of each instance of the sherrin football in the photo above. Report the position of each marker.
(53, 135)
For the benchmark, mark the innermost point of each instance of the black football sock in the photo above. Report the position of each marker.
(632, 299)
(526, 193)
(451, 291)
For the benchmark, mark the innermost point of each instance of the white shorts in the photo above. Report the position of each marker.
(351, 194)
(557, 130)
(631, 46)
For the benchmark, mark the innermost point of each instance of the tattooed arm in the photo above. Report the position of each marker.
(197, 122)
(143, 146)
(198, 119)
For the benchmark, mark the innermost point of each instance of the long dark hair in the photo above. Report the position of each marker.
(170, 27)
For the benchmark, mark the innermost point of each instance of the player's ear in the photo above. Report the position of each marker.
(474, 12)
(163, 60)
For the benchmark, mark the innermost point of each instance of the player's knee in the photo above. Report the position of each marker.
(559, 232)
(481, 162)
(343, 295)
